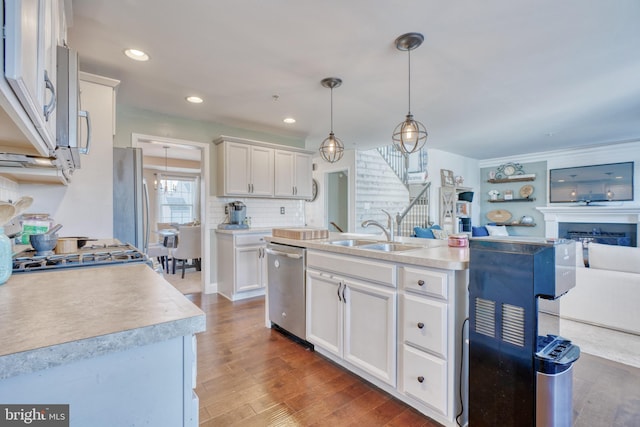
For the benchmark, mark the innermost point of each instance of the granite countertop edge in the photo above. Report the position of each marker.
(56, 355)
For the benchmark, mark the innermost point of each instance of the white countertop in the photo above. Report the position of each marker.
(50, 318)
(431, 253)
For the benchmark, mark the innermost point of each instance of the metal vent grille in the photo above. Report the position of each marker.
(513, 324)
(485, 317)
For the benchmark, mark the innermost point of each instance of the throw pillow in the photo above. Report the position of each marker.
(497, 230)
(617, 258)
(426, 233)
(479, 231)
(440, 234)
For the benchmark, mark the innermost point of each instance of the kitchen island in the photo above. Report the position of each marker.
(395, 318)
(116, 343)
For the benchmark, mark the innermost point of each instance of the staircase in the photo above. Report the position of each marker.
(416, 213)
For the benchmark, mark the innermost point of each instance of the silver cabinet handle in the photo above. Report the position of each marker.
(339, 286)
(420, 379)
(420, 325)
(344, 297)
(48, 109)
(87, 117)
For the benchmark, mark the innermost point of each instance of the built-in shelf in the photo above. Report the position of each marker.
(524, 199)
(503, 180)
(509, 224)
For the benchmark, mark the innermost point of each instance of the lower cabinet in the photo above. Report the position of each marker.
(242, 265)
(398, 326)
(354, 320)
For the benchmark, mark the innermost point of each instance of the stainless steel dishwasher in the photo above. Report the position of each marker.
(286, 288)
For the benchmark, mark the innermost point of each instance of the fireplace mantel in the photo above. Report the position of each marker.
(597, 214)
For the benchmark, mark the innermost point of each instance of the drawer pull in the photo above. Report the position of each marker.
(420, 379)
(420, 325)
(420, 282)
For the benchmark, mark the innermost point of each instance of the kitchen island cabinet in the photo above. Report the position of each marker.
(394, 318)
(352, 315)
(116, 343)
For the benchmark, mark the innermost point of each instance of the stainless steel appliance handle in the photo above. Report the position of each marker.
(87, 116)
(273, 252)
(48, 109)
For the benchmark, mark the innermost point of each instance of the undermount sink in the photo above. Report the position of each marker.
(352, 242)
(389, 247)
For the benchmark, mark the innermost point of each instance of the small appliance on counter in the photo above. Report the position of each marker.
(237, 217)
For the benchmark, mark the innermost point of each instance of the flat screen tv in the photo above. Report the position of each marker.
(611, 182)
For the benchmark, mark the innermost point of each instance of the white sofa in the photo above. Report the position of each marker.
(607, 293)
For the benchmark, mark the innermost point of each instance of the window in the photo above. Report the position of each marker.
(178, 200)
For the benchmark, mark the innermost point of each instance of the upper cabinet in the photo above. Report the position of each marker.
(28, 92)
(247, 170)
(292, 174)
(257, 169)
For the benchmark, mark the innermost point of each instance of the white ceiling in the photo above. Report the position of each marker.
(493, 78)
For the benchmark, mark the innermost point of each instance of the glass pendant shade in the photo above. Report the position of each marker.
(409, 136)
(331, 149)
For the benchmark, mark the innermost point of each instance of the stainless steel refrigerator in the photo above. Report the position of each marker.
(130, 198)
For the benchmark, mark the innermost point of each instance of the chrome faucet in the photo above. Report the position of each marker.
(388, 232)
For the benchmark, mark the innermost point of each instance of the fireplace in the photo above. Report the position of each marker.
(605, 233)
(619, 223)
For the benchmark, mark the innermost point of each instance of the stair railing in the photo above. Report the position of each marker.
(415, 215)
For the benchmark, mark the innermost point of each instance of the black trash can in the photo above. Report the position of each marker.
(554, 381)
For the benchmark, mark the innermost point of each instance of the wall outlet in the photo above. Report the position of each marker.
(282, 210)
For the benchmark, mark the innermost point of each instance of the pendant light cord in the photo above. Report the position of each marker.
(409, 52)
(331, 110)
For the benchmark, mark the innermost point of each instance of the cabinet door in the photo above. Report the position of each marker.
(237, 163)
(303, 176)
(25, 59)
(284, 174)
(370, 329)
(249, 267)
(324, 312)
(261, 171)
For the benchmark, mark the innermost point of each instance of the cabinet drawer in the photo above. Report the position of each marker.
(250, 239)
(426, 282)
(425, 324)
(373, 271)
(425, 378)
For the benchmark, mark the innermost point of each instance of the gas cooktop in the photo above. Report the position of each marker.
(88, 256)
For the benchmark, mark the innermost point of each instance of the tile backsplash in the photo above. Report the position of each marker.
(263, 212)
(8, 190)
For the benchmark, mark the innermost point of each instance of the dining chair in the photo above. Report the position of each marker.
(161, 252)
(189, 248)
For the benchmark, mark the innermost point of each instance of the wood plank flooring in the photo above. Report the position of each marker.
(249, 375)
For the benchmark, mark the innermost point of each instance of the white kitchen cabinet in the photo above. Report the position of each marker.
(247, 170)
(292, 174)
(431, 316)
(31, 37)
(242, 264)
(352, 319)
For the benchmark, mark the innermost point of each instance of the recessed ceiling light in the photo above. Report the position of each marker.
(136, 54)
(289, 120)
(194, 99)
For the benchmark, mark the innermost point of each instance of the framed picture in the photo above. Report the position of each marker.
(447, 178)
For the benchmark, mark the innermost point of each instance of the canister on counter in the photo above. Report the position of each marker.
(459, 240)
(34, 224)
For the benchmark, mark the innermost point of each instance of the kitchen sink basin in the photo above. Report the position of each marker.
(352, 242)
(389, 247)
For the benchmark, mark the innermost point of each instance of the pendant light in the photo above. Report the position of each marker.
(331, 148)
(410, 135)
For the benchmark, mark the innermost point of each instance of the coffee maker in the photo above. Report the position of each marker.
(237, 214)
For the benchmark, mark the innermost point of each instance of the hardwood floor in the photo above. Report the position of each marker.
(249, 375)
